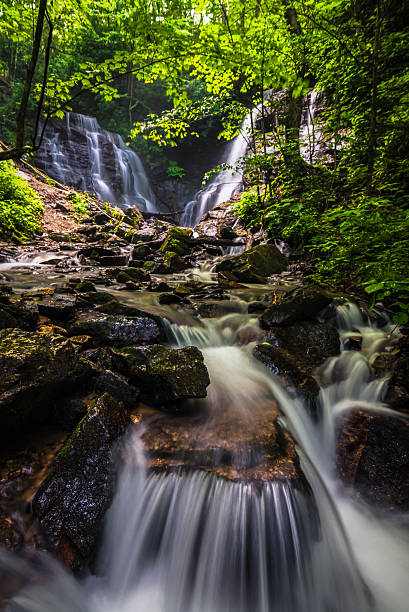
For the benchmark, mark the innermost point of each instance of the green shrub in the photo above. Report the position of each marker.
(80, 205)
(21, 207)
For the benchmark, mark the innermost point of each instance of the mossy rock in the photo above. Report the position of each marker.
(36, 369)
(172, 262)
(303, 304)
(178, 240)
(163, 374)
(85, 286)
(70, 504)
(255, 265)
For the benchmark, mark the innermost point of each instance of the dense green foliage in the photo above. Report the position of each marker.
(20, 206)
(160, 73)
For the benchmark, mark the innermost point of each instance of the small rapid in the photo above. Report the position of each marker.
(187, 540)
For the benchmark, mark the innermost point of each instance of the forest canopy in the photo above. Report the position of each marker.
(161, 72)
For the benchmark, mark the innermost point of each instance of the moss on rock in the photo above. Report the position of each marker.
(255, 265)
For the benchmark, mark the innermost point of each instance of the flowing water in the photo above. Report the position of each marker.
(190, 541)
(225, 183)
(96, 161)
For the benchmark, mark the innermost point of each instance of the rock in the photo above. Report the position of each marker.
(101, 218)
(255, 265)
(172, 262)
(395, 366)
(133, 216)
(129, 274)
(118, 388)
(164, 375)
(68, 412)
(85, 287)
(293, 353)
(140, 252)
(58, 308)
(70, 504)
(10, 538)
(116, 330)
(180, 442)
(36, 368)
(382, 474)
(159, 287)
(7, 319)
(302, 304)
(169, 298)
(373, 457)
(22, 314)
(114, 260)
(228, 233)
(178, 240)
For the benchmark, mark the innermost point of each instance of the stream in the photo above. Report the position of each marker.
(225, 535)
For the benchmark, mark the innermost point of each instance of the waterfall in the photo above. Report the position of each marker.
(225, 183)
(96, 161)
(189, 541)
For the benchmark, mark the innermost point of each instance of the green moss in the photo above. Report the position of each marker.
(177, 241)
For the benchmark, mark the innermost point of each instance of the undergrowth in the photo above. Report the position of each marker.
(21, 208)
(355, 239)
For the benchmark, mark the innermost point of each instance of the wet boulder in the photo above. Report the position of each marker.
(302, 304)
(178, 240)
(164, 375)
(255, 265)
(293, 353)
(118, 388)
(395, 367)
(58, 308)
(22, 314)
(36, 368)
(116, 330)
(373, 459)
(71, 503)
(172, 262)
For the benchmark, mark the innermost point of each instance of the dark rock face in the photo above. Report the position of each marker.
(373, 458)
(35, 368)
(118, 388)
(71, 503)
(255, 265)
(396, 367)
(305, 303)
(294, 352)
(23, 315)
(382, 474)
(58, 308)
(164, 375)
(116, 330)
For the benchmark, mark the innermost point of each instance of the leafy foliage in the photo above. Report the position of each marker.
(20, 206)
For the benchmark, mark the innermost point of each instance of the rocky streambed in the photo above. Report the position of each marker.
(119, 326)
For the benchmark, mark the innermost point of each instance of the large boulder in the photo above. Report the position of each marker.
(21, 314)
(178, 240)
(373, 459)
(70, 504)
(302, 304)
(35, 369)
(164, 375)
(293, 353)
(118, 330)
(255, 265)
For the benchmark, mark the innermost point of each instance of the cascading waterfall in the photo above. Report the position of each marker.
(113, 172)
(225, 183)
(192, 542)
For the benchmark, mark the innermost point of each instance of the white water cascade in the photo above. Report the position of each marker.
(189, 541)
(225, 183)
(113, 172)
